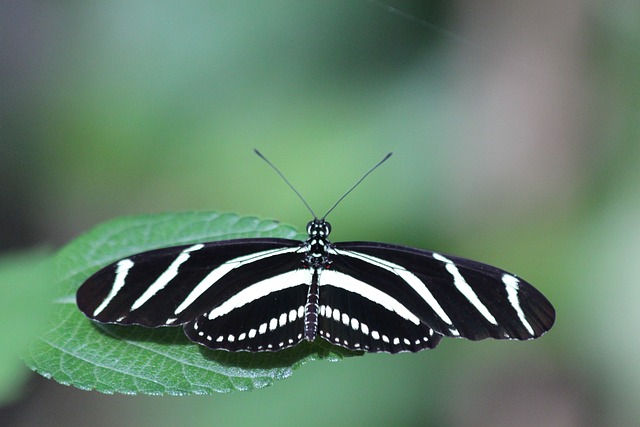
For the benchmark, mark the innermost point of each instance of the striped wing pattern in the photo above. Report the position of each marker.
(267, 323)
(353, 321)
(270, 294)
(456, 297)
(172, 286)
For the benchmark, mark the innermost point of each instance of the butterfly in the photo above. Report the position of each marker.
(268, 294)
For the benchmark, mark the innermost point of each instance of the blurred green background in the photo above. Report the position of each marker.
(516, 139)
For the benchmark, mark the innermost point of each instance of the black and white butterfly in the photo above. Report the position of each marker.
(268, 294)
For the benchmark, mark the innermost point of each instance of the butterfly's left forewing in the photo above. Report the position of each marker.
(177, 285)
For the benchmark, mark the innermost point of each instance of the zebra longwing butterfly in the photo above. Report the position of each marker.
(268, 294)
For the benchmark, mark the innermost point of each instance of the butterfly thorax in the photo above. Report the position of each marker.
(318, 244)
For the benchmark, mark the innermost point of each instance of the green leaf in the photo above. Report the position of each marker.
(131, 359)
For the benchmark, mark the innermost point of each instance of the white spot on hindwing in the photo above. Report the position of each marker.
(345, 319)
(273, 324)
(354, 324)
(283, 320)
(262, 329)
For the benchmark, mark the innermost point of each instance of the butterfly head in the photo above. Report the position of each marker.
(318, 229)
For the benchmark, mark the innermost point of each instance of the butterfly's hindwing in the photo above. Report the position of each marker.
(351, 320)
(270, 317)
(454, 296)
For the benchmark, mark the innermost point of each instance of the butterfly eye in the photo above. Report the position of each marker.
(327, 229)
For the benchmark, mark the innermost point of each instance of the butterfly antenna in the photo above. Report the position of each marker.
(357, 183)
(286, 180)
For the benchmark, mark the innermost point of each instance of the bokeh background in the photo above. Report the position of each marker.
(515, 128)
